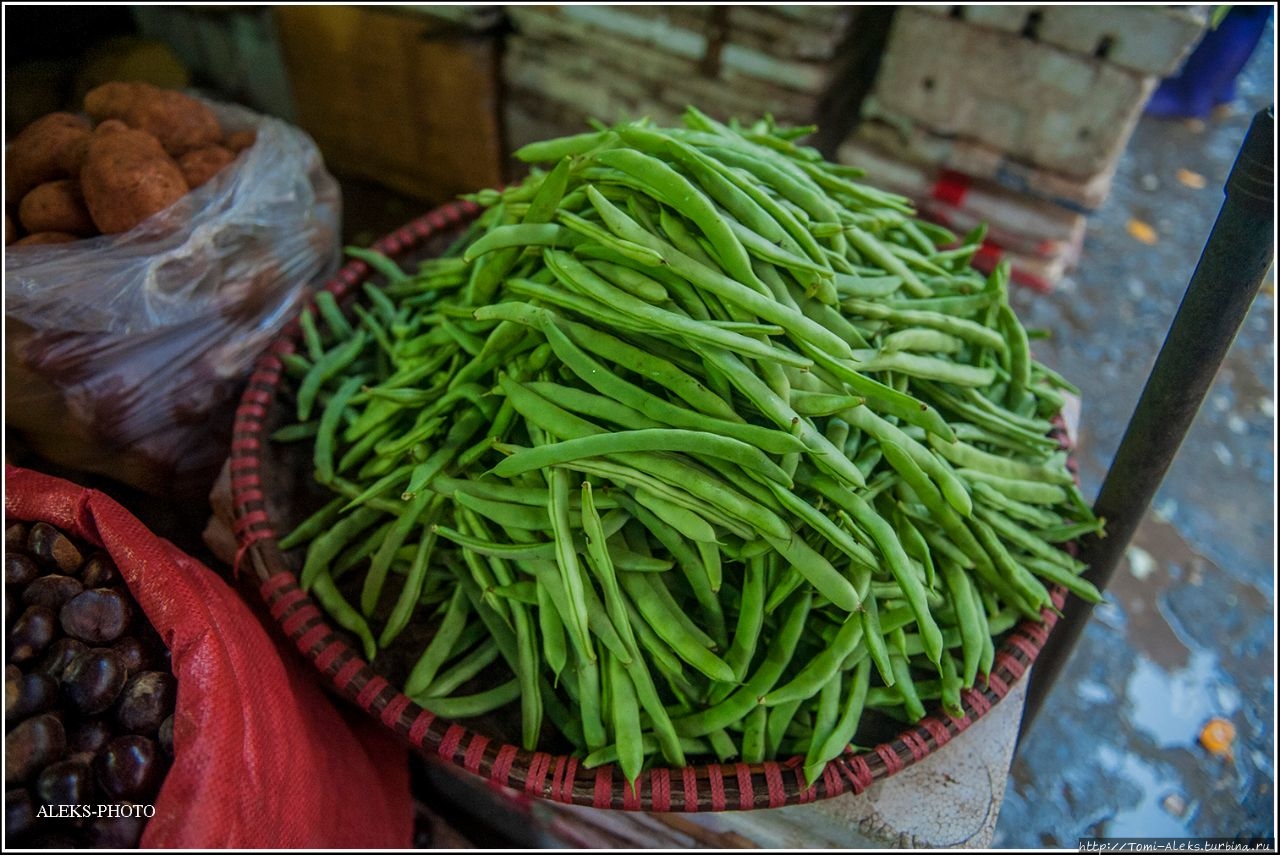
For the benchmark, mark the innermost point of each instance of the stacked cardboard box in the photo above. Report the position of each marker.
(1016, 115)
(567, 64)
(405, 96)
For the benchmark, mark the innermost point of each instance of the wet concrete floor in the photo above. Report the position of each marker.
(1186, 634)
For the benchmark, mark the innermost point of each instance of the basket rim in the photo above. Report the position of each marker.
(560, 778)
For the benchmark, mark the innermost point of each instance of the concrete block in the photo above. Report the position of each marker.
(657, 31)
(612, 65)
(823, 17)
(802, 65)
(912, 141)
(1040, 104)
(665, 35)
(571, 88)
(1150, 39)
(690, 17)
(764, 28)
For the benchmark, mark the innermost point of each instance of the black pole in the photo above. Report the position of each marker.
(1231, 269)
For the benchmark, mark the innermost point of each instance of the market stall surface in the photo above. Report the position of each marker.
(1186, 636)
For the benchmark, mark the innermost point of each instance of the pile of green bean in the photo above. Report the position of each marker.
(692, 447)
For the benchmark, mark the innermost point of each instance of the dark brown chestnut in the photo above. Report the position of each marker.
(19, 569)
(19, 814)
(66, 782)
(59, 655)
(15, 535)
(36, 693)
(89, 736)
(48, 544)
(115, 832)
(32, 745)
(146, 701)
(51, 590)
(130, 768)
(96, 615)
(12, 688)
(137, 653)
(32, 633)
(99, 571)
(92, 680)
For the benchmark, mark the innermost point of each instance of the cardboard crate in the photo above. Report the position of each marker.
(405, 99)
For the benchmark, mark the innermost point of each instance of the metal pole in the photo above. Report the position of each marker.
(1231, 269)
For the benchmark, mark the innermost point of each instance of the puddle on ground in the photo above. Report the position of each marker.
(1156, 554)
(1094, 693)
(1149, 817)
(1171, 708)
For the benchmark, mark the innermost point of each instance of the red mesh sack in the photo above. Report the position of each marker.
(263, 758)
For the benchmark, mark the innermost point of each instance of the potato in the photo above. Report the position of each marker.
(40, 238)
(201, 164)
(56, 206)
(180, 122)
(50, 147)
(10, 232)
(238, 141)
(109, 126)
(127, 177)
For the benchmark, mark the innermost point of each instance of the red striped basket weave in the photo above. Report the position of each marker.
(711, 787)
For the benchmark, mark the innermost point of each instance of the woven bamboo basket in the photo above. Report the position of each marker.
(262, 490)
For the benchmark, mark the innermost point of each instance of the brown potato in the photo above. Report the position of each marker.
(56, 206)
(201, 164)
(180, 122)
(109, 126)
(45, 238)
(48, 148)
(10, 231)
(127, 177)
(238, 141)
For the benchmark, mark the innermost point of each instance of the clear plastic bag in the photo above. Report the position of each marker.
(124, 353)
